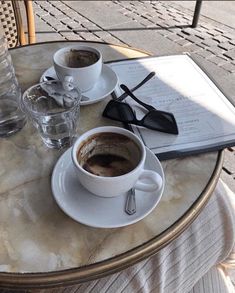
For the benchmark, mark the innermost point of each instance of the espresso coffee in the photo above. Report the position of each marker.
(108, 154)
(108, 165)
(81, 58)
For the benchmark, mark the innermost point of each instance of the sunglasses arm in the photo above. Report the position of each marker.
(129, 93)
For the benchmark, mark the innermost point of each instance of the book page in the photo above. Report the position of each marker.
(205, 117)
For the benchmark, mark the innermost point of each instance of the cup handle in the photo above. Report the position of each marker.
(151, 175)
(68, 83)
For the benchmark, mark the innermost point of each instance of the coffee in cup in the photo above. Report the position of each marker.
(108, 154)
(79, 58)
(78, 66)
(109, 161)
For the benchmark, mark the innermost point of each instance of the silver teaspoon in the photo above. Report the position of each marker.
(130, 207)
(49, 78)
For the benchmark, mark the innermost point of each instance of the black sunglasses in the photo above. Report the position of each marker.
(154, 119)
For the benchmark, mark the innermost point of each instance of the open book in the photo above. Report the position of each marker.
(205, 117)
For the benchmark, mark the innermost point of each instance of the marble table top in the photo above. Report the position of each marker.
(35, 234)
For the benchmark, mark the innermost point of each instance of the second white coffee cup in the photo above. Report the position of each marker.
(78, 66)
(109, 161)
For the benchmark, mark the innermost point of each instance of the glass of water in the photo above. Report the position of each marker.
(53, 111)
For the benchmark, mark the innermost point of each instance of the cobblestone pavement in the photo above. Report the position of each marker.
(160, 27)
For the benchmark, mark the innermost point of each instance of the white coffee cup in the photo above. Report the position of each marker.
(69, 70)
(112, 141)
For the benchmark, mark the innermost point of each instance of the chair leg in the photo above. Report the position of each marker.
(19, 23)
(30, 21)
(196, 13)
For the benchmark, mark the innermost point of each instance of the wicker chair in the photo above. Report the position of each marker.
(11, 18)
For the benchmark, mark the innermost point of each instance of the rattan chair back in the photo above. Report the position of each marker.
(11, 19)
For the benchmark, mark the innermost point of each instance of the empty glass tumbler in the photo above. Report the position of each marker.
(12, 118)
(53, 111)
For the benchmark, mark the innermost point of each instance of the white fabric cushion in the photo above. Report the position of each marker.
(214, 281)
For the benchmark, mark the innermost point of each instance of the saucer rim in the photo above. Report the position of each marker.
(91, 101)
(107, 226)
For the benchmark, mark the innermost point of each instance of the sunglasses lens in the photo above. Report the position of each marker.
(162, 121)
(119, 111)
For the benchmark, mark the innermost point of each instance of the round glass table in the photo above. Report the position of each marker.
(40, 245)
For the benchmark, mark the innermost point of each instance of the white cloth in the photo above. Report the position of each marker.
(215, 280)
(188, 264)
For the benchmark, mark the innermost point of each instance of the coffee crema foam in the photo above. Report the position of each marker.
(108, 154)
(80, 58)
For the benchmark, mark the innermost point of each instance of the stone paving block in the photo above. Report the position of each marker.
(126, 4)
(47, 37)
(60, 27)
(59, 15)
(43, 13)
(73, 14)
(181, 21)
(173, 23)
(139, 10)
(183, 42)
(202, 35)
(230, 54)
(91, 26)
(147, 6)
(71, 36)
(218, 60)
(107, 37)
(65, 8)
(228, 179)
(147, 22)
(156, 19)
(54, 11)
(193, 39)
(42, 26)
(229, 36)
(217, 51)
(209, 42)
(44, 4)
(226, 46)
(220, 38)
(219, 30)
(102, 34)
(229, 158)
(232, 42)
(174, 37)
(186, 31)
(75, 25)
(167, 32)
(148, 15)
(214, 32)
(193, 48)
(37, 8)
(81, 19)
(89, 36)
(206, 54)
(49, 18)
(161, 31)
(180, 34)
(201, 29)
(58, 4)
(171, 9)
(229, 67)
(166, 17)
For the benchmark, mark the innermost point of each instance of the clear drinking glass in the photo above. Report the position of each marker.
(53, 111)
(12, 119)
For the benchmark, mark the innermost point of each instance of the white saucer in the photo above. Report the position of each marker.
(104, 86)
(95, 211)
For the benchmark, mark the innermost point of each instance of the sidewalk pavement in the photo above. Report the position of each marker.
(159, 27)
